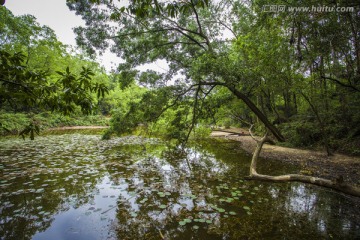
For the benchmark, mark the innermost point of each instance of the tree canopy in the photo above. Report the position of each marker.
(35, 70)
(279, 64)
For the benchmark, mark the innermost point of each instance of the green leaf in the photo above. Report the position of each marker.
(246, 208)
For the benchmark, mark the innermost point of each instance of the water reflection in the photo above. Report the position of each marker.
(79, 187)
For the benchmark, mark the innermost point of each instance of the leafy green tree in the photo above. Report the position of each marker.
(185, 34)
(31, 72)
(21, 87)
(279, 64)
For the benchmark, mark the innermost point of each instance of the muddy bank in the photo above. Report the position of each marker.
(78, 127)
(314, 163)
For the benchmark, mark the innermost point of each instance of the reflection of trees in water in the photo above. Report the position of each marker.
(189, 180)
(48, 181)
(280, 210)
(162, 170)
(312, 212)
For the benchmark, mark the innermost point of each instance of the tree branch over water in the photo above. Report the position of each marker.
(337, 185)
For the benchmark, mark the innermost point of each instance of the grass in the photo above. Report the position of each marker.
(13, 123)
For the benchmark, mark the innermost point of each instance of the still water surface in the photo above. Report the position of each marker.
(76, 186)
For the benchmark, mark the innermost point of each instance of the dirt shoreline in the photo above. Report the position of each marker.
(77, 127)
(314, 163)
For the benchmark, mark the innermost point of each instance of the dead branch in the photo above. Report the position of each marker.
(336, 185)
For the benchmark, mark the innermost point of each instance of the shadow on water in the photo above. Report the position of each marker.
(73, 186)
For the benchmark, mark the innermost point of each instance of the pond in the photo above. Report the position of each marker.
(77, 186)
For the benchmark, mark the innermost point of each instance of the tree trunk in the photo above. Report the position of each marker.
(336, 185)
(258, 113)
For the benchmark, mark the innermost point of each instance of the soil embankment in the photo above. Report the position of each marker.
(78, 127)
(315, 163)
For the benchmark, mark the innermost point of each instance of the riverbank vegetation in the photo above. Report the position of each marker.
(231, 63)
(225, 63)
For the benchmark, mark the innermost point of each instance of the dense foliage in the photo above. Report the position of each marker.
(227, 63)
(292, 70)
(35, 73)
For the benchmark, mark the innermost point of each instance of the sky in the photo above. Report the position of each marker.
(56, 15)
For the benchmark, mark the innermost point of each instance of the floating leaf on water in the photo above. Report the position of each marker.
(202, 220)
(246, 208)
(144, 200)
(221, 210)
(232, 213)
(187, 220)
(226, 215)
(195, 227)
(256, 188)
(40, 190)
(208, 221)
(162, 206)
(182, 223)
(249, 213)
(133, 214)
